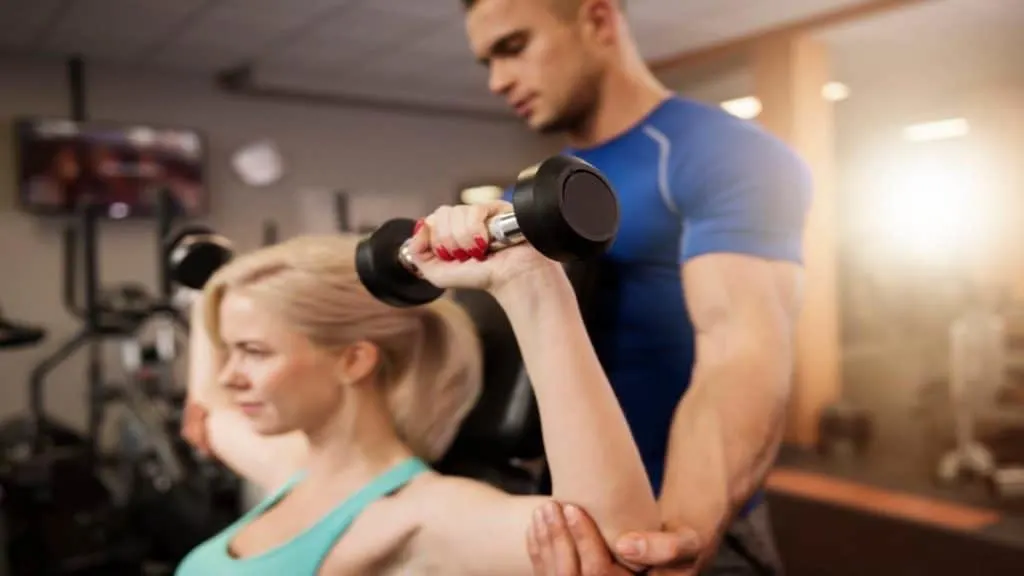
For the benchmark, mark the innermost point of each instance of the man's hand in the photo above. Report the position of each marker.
(565, 541)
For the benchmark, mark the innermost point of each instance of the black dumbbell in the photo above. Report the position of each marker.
(566, 210)
(195, 253)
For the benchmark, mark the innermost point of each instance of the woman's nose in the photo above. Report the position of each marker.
(232, 378)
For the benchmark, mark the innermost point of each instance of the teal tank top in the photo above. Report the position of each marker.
(302, 555)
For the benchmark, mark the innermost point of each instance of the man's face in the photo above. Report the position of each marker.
(538, 61)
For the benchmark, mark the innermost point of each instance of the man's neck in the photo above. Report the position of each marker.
(627, 95)
(354, 445)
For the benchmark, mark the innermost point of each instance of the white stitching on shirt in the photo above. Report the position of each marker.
(665, 152)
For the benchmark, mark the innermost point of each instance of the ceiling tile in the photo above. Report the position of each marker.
(657, 40)
(20, 22)
(736, 18)
(206, 58)
(669, 11)
(229, 27)
(449, 39)
(377, 82)
(135, 23)
(934, 43)
(351, 36)
(436, 10)
(365, 20)
(282, 14)
(95, 46)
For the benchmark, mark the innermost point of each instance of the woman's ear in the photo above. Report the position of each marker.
(357, 362)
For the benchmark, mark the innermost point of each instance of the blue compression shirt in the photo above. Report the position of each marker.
(691, 180)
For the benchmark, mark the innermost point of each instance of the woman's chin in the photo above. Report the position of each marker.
(266, 427)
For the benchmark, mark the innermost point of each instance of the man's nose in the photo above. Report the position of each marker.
(500, 81)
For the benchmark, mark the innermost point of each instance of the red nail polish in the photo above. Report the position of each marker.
(418, 227)
(443, 254)
(479, 254)
(481, 243)
(461, 254)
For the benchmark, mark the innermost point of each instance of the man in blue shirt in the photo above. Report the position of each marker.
(702, 286)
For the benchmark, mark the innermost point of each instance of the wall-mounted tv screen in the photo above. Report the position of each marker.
(120, 167)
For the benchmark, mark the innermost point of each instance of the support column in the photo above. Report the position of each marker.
(789, 73)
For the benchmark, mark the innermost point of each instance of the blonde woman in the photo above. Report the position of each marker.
(336, 403)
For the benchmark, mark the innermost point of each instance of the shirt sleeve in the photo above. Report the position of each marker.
(746, 192)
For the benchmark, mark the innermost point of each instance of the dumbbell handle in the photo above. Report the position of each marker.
(503, 229)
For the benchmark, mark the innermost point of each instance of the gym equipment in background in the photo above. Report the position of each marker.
(844, 430)
(194, 254)
(980, 358)
(566, 209)
(114, 313)
(66, 511)
(977, 371)
(271, 233)
(13, 336)
(19, 335)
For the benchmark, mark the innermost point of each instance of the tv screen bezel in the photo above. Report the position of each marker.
(142, 214)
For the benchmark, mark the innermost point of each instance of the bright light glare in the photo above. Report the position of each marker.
(835, 92)
(747, 107)
(939, 130)
(934, 210)
(481, 194)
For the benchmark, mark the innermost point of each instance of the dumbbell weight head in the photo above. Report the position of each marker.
(382, 273)
(195, 253)
(567, 210)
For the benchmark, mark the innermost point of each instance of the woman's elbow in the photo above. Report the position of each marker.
(638, 514)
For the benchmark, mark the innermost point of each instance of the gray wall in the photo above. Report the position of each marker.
(394, 165)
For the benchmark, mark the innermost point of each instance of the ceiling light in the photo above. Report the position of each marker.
(481, 194)
(938, 130)
(747, 107)
(835, 91)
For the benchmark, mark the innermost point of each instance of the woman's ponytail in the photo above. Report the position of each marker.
(441, 383)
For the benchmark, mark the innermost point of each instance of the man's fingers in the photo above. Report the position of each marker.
(595, 560)
(660, 548)
(545, 550)
(563, 548)
(533, 547)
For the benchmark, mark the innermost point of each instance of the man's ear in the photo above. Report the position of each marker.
(600, 19)
(357, 362)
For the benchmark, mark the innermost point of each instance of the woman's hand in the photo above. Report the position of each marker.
(450, 247)
(194, 429)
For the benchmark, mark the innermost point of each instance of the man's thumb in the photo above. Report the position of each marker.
(659, 548)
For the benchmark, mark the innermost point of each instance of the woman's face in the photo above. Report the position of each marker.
(275, 376)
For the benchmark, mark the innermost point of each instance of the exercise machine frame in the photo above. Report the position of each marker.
(98, 323)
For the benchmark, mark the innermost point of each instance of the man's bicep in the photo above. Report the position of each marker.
(739, 296)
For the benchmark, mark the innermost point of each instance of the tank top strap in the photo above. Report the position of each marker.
(334, 525)
(262, 506)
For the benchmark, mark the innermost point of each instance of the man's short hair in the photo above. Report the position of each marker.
(565, 7)
(562, 7)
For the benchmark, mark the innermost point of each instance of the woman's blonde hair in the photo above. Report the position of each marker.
(431, 356)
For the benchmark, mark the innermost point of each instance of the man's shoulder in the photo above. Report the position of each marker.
(704, 129)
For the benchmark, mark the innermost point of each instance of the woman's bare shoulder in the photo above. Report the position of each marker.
(393, 535)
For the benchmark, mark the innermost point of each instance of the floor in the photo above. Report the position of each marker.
(873, 516)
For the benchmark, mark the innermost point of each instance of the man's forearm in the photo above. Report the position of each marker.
(724, 438)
